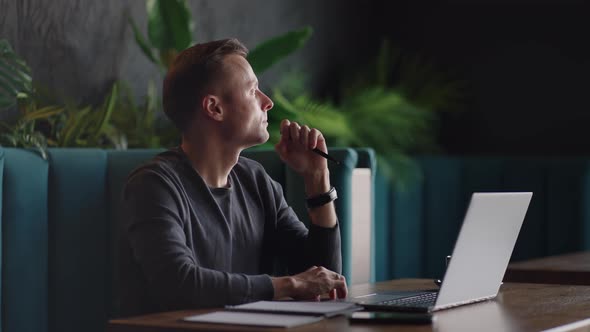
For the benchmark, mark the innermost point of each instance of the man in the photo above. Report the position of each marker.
(204, 227)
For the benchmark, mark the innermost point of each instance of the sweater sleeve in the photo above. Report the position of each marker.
(156, 230)
(305, 247)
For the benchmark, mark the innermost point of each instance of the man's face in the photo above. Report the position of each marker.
(245, 106)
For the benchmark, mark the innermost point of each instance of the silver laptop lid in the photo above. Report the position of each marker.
(483, 249)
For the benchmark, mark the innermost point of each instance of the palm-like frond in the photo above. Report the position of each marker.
(15, 76)
(273, 50)
(22, 135)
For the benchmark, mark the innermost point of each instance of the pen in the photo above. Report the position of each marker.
(325, 155)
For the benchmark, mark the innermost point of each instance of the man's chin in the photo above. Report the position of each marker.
(261, 140)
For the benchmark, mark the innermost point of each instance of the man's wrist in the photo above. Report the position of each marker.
(316, 183)
(283, 287)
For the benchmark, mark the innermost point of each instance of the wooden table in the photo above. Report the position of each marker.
(568, 269)
(518, 307)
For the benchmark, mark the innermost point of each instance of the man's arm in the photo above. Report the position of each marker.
(323, 241)
(318, 183)
(156, 235)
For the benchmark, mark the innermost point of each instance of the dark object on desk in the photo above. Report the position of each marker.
(376, 317)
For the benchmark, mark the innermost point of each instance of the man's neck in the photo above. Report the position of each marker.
(212, 161)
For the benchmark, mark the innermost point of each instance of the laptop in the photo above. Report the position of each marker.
(479, 260)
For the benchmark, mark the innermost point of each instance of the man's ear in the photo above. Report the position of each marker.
(212, 107)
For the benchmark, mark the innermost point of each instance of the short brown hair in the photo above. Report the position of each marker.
(190, 75)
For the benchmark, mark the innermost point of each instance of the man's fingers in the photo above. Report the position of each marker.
(309, 138)
(284, 125)
(314, 134)
(295, 130)
(342, 292)
(304, 136)
(333, 294)
(285, 134)
(343, 289)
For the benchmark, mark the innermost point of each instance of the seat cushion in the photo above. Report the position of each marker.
(24, 241)
(78, 240)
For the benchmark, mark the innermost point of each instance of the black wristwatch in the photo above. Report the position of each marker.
(321, 199)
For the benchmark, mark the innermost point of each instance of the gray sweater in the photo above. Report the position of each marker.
(186, 245)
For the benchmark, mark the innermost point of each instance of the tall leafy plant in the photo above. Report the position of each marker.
(169, 29)
(86, 126)
(16, 89)
(48, 125)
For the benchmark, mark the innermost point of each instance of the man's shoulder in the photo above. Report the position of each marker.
(250, 168)
(166, 164)
(252, 164)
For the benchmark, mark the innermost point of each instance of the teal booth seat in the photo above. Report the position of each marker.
(59, 221)
(59, 218)
(420, 222)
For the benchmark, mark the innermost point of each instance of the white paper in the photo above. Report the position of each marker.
(253, 319)
(324, 308)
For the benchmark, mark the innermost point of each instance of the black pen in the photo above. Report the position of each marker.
(325, 155)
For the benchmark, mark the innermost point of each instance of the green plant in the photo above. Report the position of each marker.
(86, 126)
(390, 106)
(169, 31)
(24, 134)
(275, 49)
(16, 89)
(60, 126)
(15, 76)
(137, 124)
(50, 125)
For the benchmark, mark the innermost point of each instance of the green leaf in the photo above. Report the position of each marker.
(277, 48)
(43, 113)
(169, 24)
(15, 76)
(76, 123)
(105, 113)
(142, 43)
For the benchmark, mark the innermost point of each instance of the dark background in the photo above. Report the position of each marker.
(525, 64)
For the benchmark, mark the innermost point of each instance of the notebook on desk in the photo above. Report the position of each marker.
(479, 260)
(323, 308)
(276, 313)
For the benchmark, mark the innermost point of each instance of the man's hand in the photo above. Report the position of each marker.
(311, 284)
(295, 147)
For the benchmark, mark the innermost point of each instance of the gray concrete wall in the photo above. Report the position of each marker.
(79, 47)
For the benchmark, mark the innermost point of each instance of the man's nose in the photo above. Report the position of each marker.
(267, 103)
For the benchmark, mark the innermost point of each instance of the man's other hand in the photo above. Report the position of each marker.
(296, 145)
(311, 285)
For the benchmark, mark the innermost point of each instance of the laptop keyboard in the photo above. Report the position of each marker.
(424, 300)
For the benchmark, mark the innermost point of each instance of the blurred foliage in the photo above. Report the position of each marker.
(169, 29)
(40, 123)
(120, 121)
(87, 126)
(390, 105)
(275, 49)
(59, 126)
(15, 76)
(142, 125)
